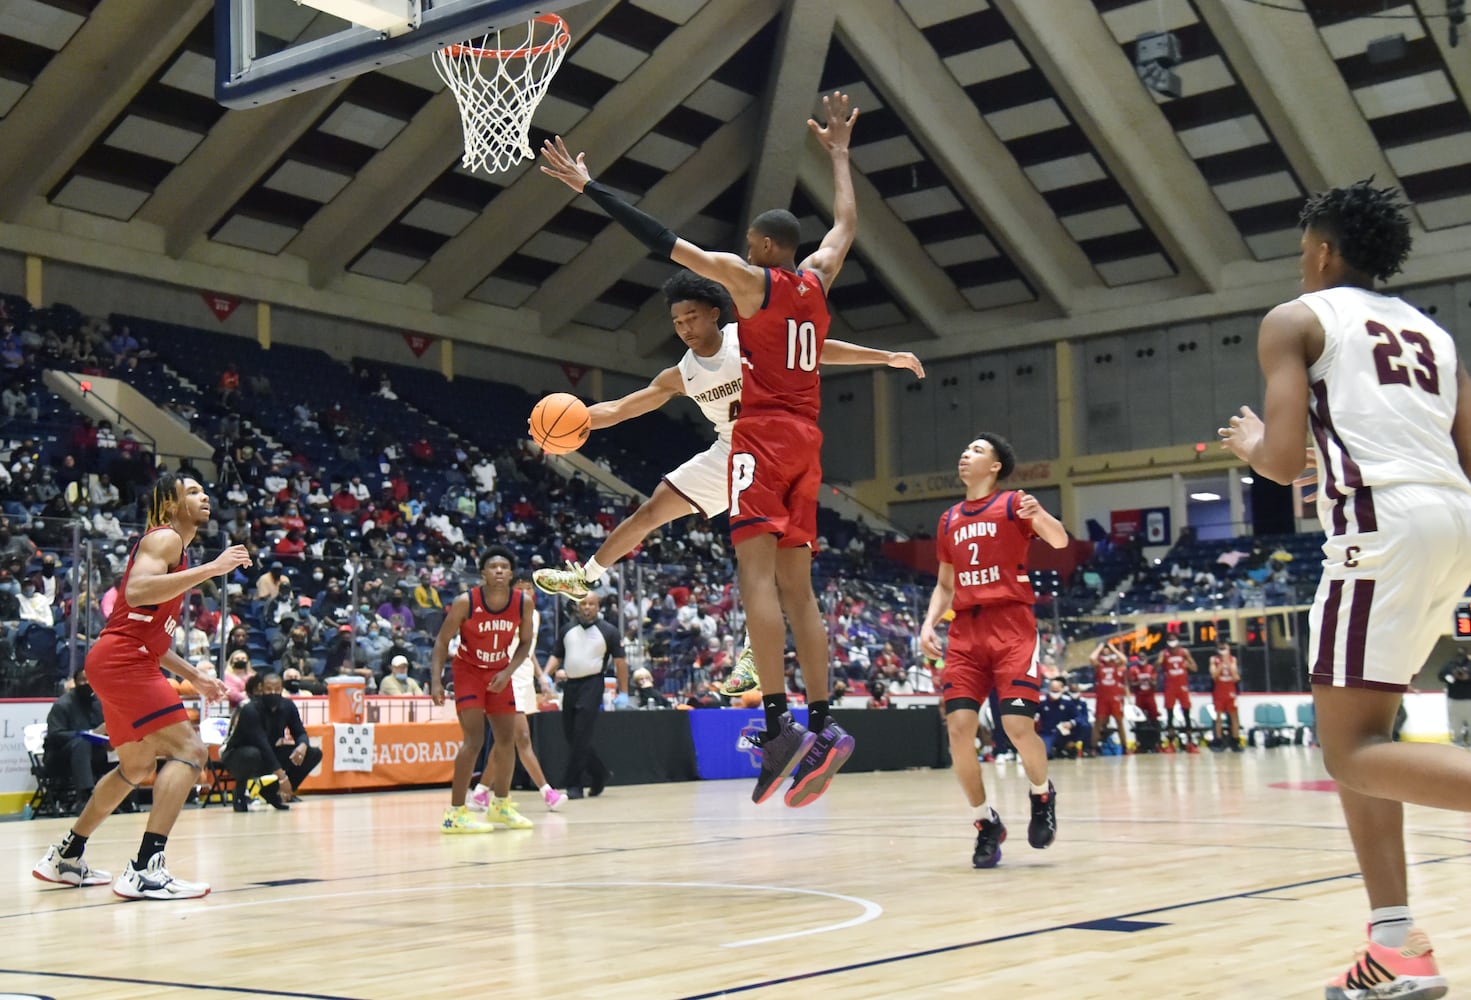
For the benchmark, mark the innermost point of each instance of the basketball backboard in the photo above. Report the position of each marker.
(266, 50)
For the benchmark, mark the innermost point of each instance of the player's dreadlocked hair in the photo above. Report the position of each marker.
(1005, 453)
(1368, 225)
(687, 286)
(163, 500)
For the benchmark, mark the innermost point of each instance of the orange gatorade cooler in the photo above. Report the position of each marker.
(346, 699)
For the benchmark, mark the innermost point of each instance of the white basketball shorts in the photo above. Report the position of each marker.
(704, 480)
(523, 686)
(1388, 595)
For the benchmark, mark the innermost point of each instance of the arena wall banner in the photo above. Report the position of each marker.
(16, 784)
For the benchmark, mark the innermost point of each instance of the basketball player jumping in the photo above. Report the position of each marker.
(490, 620)
(776, 446)
(982, 547)
(710, 374)
(145, 719)
(1389, 406)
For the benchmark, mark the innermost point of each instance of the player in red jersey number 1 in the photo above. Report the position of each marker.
(982, 545)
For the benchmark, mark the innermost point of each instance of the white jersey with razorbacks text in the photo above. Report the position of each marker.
(714, 383)
(1383, 398)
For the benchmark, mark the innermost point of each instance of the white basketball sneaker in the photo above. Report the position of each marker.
(68, 871)
(155, 882)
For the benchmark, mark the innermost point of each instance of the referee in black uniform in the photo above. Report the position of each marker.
(583, 649)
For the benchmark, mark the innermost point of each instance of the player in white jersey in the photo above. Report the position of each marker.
(710, 374)
(526, 681)
(1389, 407)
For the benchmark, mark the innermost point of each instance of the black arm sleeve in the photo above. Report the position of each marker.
(650, 231)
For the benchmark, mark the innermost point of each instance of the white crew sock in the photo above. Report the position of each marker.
(1040, 789)
(481, 790)
(983, 813)
(1389, 926)
(544, 789)
(591, 570)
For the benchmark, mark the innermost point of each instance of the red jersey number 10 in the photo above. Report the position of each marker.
(801, 345)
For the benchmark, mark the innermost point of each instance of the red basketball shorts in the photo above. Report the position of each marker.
(775, 474)
(993, 648)
(1177, 696)
(472, 690)
(136, 697)
(1224, 699)
(1146, 704)
(1108, 703)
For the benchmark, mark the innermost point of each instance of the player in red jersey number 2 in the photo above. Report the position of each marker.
(982, 545)
(776, 446)
(145, 719)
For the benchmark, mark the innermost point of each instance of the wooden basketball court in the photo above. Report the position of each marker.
(1212, 876)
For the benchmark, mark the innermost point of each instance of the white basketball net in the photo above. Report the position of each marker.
(499, 80)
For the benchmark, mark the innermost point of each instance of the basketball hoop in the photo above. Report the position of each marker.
(499, 87)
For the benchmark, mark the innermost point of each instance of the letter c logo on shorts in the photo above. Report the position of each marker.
(1351, 556)
(742, 475)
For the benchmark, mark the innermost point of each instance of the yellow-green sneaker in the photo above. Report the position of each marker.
(503, 812)
(458, 819)
(742, 676)
(570, 581)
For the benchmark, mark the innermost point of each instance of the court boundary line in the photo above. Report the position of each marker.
(1036, 932)
(182, 986)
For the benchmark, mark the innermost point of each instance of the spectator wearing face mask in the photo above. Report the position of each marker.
(49, 583)
(68, 751)
(236, 677)
(1062, 720)
(259, 746)
(34, 605)
(397, 680)
(374, 644)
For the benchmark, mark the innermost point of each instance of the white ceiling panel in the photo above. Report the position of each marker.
(553, 246)
(927, 12)
(38, 23)
(1253, 191)
(100, 198)
(610, 58)
(678, 11)
(1394, 97)
(387, 265)
(1280, 243)
(1069, 171)
(192, 73)
(1435, 154)
(959, 251)
(439, 217)
(923, 204)
(1223, 137)
(872, 317)
(604, 316)
(989, 63)
(1446, 212)
(10, 93)
(255, 234)
(307, 181)
(1002, 293)
(1135, 269)
(152, 138)
(1027, 119)
(1147, 17)
(362, 125)
(660, 151)
(895, 151)
(1101, 222)
(718, 100)
(500, 292)
(1351, 38)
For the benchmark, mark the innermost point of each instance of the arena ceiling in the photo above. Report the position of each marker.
(1011, 169)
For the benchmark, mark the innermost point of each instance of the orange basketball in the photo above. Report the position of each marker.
(560, 423)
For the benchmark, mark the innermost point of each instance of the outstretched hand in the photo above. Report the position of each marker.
(907, 361)
(1243, 434)
(839, 128)
(561, 164)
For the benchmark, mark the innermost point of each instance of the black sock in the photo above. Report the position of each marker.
(775, 706)
(817, 715)
(72, 845)
(152, 844)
